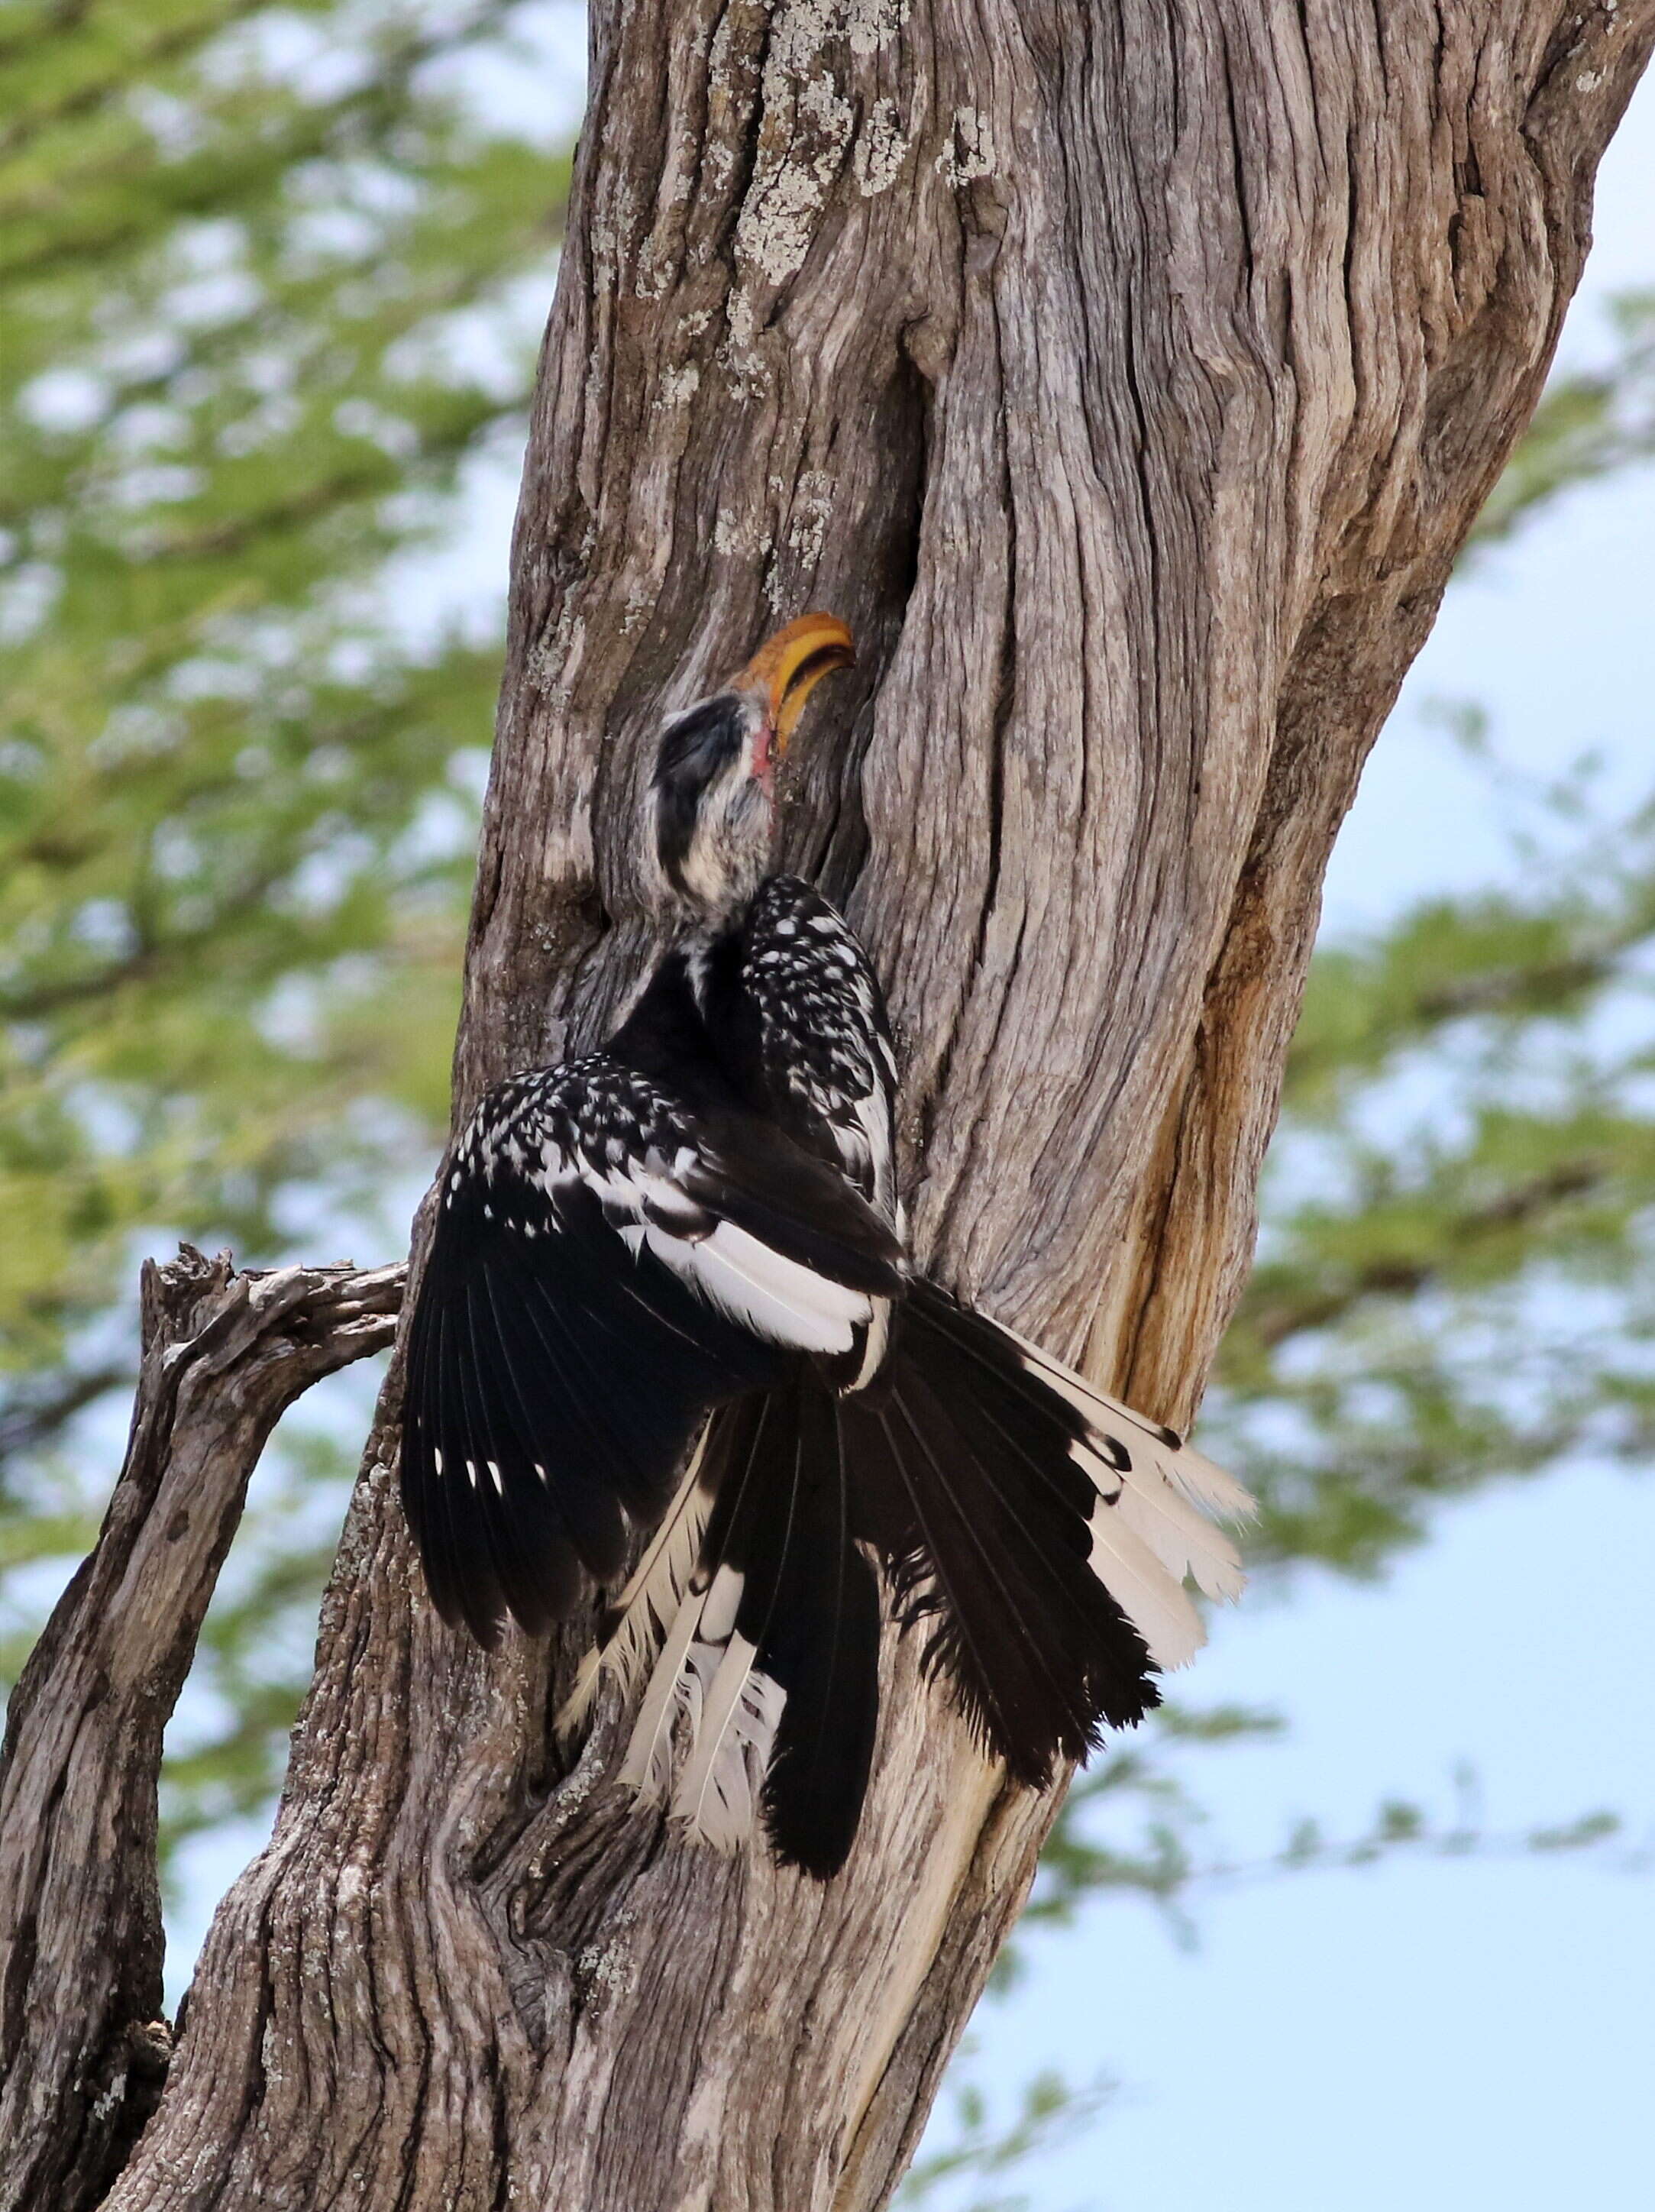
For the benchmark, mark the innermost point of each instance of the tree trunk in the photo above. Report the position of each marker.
(1127, 375)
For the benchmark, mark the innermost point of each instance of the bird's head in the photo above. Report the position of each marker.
(714, 775)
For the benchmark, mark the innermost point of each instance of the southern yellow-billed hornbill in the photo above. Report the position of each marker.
(669, 1291)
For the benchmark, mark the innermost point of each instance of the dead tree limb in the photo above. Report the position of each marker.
(83, 2047)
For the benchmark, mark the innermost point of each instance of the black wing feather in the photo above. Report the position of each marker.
(584, 1506)
(456, 1559)
(823, 1646)
(557, 1371)
(809, 1605)
(532, 1565)
(966, 1488)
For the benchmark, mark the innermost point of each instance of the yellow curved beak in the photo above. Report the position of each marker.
(790, 665)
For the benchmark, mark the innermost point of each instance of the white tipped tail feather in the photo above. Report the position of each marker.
(1191, 1471)
(650, 1602)
(1147, 1535)
(732, 1735)
(706, 1681)
(1044, 1531)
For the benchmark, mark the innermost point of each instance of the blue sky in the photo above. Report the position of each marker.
(1442, 2034)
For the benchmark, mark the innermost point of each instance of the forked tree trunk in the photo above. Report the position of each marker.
(1127, 373)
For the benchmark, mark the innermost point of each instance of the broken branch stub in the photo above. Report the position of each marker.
(83, 2051)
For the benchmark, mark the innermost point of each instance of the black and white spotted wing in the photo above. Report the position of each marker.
(600, 1275)
(822, 1037)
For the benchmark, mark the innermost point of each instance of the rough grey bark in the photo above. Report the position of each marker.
(83, 2048)
(1128, 374)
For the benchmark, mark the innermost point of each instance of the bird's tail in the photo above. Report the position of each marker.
(764, 1610)
(1040, 1530)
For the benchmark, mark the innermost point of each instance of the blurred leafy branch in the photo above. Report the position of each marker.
(982, 2147)
(263, 284)
(1163, 1861)
(1588, 424)
(270, 282)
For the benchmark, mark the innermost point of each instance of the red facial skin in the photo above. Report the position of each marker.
(782, 673)
(764, 752)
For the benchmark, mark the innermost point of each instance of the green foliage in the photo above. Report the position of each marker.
(269, 291)
(1453, 1282)
(983, 2147)
(1131, 1823)
(1587, 425)
(256, 283)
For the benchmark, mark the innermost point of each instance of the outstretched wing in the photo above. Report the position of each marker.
(818, 1034)
(602, 1274)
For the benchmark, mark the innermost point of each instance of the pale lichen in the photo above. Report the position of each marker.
(655, 274)
(740, 356)
(639, 601)
(871, 24)
(813, 508)
(736, 533)
(554, 659)
(612, 227)
(806, 130)
(606, 1967)
(882, 148)
(774, 233)
(112, 2099)
(678, 386)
